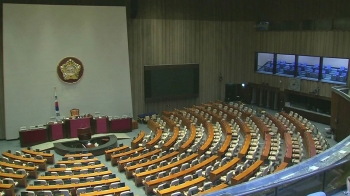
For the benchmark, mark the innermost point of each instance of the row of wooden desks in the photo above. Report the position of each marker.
(172, 140)
(140, 176)
(129, 170)
(135, 143)
(9, 189)
(246, 174)
(266, 151)
(116, 191)
(309, 144)
(210, 137)
(299, 127)
(182, 187)
(52, 169)
(65, 177)
(116, 157)
(20, 178)
(190, 139)
(77, 161)
(109, 152)
(79, 155)
(223, 170)
(215, 188)
(41, 163)
(48, 156)
(33, 172)
(71, 186)
(289, 147)
(122, 163)
(155, 140)
(280, 126)
(202, 165)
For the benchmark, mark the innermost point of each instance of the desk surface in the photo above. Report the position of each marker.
(139, 157)
(246, 173)
(181, 187)
(167, 167)
(12, 156)
(215, 174)
(190, 140)
(32, 152)
(78, 155)
(106, 192)
(137, 140)
(172, 140)
(75, 168)
(207, 143)
(12, 175)
(150, 162)
(70, 186)
(215, 188)
(27, 168)
(75, 176)
(77, 161)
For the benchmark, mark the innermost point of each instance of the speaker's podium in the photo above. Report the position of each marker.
(84, 134)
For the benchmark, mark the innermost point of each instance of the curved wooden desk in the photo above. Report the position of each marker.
(281, 129)
(131, 169)
(135, 143)
(156, 138)
(116, 191)
(78, 155)
(215, 188)
(71, 186)
(77, 161)
(223, 170)
(246, 174)
(140, 176)
(115, 157)
(21, 178)
(182, 187)
(266, 151)
(48, 156)
(245, 146)
(9, 189)
(122, 163)
(33, 172)
(289, 147)
(40, 163)
(282, 166)
(309, 144)
(207, 143)
(108, 153)
(190, 140)
(172, 140)
(202, 165)
(299, 127)
(52, 169)
(65, 177)
(169, 123)
(261, 125)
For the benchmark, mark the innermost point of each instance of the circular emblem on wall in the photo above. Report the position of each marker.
(70, 70)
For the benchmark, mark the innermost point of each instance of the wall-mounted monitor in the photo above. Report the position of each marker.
(285, 64)
(170, 82)
(308, 67)
(335, 70)
(264, 62)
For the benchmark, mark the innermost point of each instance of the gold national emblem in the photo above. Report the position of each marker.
(70, 70)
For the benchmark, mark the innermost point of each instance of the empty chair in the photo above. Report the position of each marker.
(174, 170)
(68, 172)
(207, 171)
(90, 179)
(192, 191)
(206, 186)
(81, 190)
(83, 171)
(18, 153)
(22, 171)
(9, 170)
(161, 174)
(174, 182)
(46, 193)
(77, 164)
(177, 194)
(188, 178)
(9, 181)
(58, 181)
(160, 187)
(105, 177)
(39, 157)
(228, 177)
(97, 169)
(74, 180)
(127, 193)
(98, 188)
(28, 193)
(40, 182)
(5, 159)
(184, 166)
(64, 192)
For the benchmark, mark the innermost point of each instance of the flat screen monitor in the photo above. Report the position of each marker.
(76, 172)
(104, 168)
(47, 173)
(36, 183)
(112, 176)
(264, 62)
(309, 67)
(52, 182)
(171, 82)
(91, 170)
(98, 178)
(335, 70)
(285, 64)
(105, 187)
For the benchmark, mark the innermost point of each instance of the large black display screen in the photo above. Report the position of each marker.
(169, 82)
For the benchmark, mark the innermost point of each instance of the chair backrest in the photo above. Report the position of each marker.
(81, 190)
(207, 185)
(74, 112)
(127, 193)
(174, 182)
(97, 188)
(192, 191)
(75, 180)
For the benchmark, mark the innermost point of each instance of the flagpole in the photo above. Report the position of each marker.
(57, 110)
